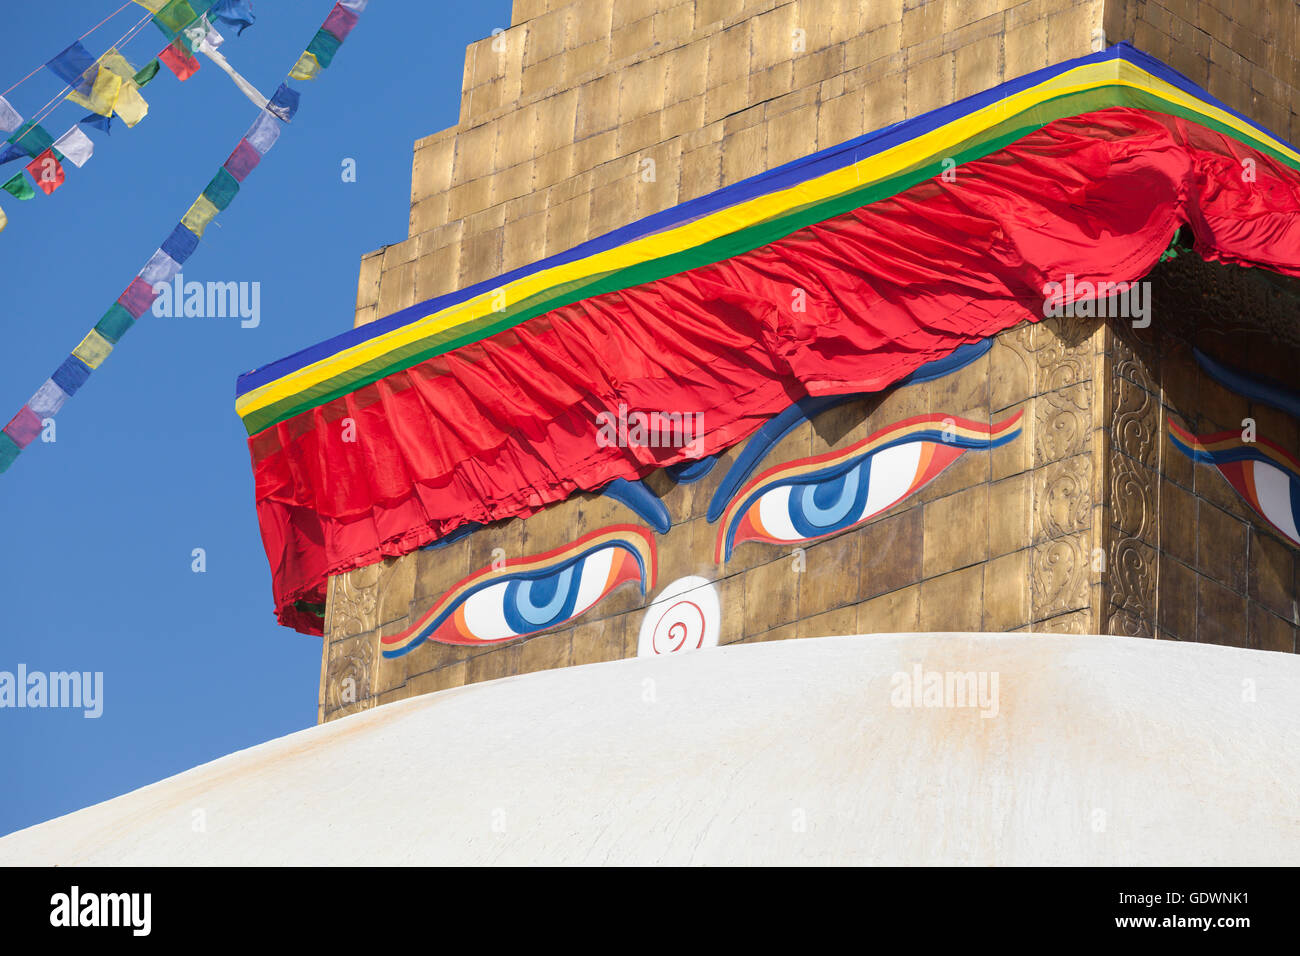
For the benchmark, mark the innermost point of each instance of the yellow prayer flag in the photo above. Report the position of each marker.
(4, 220)
(153, 6)
(199, 215)
(131, 106)
(119, 64)
(306, 68)
(94, 348)
(103, 95)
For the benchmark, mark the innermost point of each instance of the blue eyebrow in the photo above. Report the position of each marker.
(642, 500)
(772, 431)
(1257, 389)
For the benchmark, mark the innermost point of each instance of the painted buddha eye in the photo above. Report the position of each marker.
(815, 497)
(1266, 477)
(532, 594)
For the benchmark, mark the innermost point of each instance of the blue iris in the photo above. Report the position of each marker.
(829, 504)
(536, 602)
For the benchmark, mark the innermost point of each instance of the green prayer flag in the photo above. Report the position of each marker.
(323, 46)
(32, 139)
(175, 16)
(115, 323)
(9, 451)
(19, 187)
(147, 73)
(222, 189)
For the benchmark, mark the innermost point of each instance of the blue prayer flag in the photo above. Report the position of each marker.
(238, 13)
(285, 102)
(72, 66)
(99, 122)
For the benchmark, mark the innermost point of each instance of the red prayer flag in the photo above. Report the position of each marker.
(24, 427)
(180, 61)
(47, 171)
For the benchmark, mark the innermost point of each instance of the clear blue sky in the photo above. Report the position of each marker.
(151, 461)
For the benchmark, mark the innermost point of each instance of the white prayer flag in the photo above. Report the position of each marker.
(47, 401)
(75, 146)
(10, 120)
(160, 268)
(263, 133)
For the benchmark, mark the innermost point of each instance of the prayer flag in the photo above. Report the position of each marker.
(9, 117)
(153, 6)
(19, 187)
(99, 122)
(356, 6)
(47, 171)
(180, 245)
(8, 451)
(120, 65)
(323, 46)
(130, 107)
(47, 401)
(147, 73)
(221, 191)
(306, 68)
(341, 21)
(32, 138)
(137, 298)
(23, 427)
(243, 160)
(238, 13)
(160, 268)
(199, 215)
(94, 348)
(4, 220)
(115, 323)
(71, 375)
(180, 61)
(75, 146)
(103, 94)
(263, 133)
(75, 66)
(284, 103)
(174, 16)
